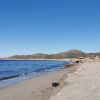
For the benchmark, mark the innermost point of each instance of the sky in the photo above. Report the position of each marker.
(48, 26)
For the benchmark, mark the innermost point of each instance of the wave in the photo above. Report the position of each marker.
(9, 77)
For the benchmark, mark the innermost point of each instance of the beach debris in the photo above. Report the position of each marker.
(55, 84)
(77, 61)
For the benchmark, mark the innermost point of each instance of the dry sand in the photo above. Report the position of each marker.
(84, 84)
(38, 88)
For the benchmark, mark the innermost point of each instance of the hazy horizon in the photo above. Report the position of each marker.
(48, 26)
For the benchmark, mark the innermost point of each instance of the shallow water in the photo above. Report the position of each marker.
(14, 70)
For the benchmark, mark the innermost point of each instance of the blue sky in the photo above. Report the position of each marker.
(49, 26)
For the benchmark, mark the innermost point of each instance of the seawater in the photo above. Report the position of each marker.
(12, 71)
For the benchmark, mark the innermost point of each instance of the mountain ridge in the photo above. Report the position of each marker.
(63, 55)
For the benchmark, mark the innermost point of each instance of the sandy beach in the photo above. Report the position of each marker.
(84, 84)
(37, 88)
(80, 82)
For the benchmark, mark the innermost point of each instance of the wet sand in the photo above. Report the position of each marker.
(37, 88)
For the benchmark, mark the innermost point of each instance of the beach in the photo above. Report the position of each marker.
(37, 88)
(84, 84)
(79, 82)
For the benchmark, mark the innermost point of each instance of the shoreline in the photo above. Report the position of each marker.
(8, 81)
(38, 87)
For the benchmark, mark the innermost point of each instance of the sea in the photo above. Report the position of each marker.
(13, 71)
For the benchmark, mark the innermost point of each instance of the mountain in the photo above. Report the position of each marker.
(73, 54)
(67, 54)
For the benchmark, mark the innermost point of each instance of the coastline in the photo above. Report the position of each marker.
(10, 80)
(37, 88)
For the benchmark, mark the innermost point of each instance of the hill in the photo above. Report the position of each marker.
(73, 54)
(67, 54)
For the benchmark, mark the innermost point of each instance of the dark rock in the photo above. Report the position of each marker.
(55, 84)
